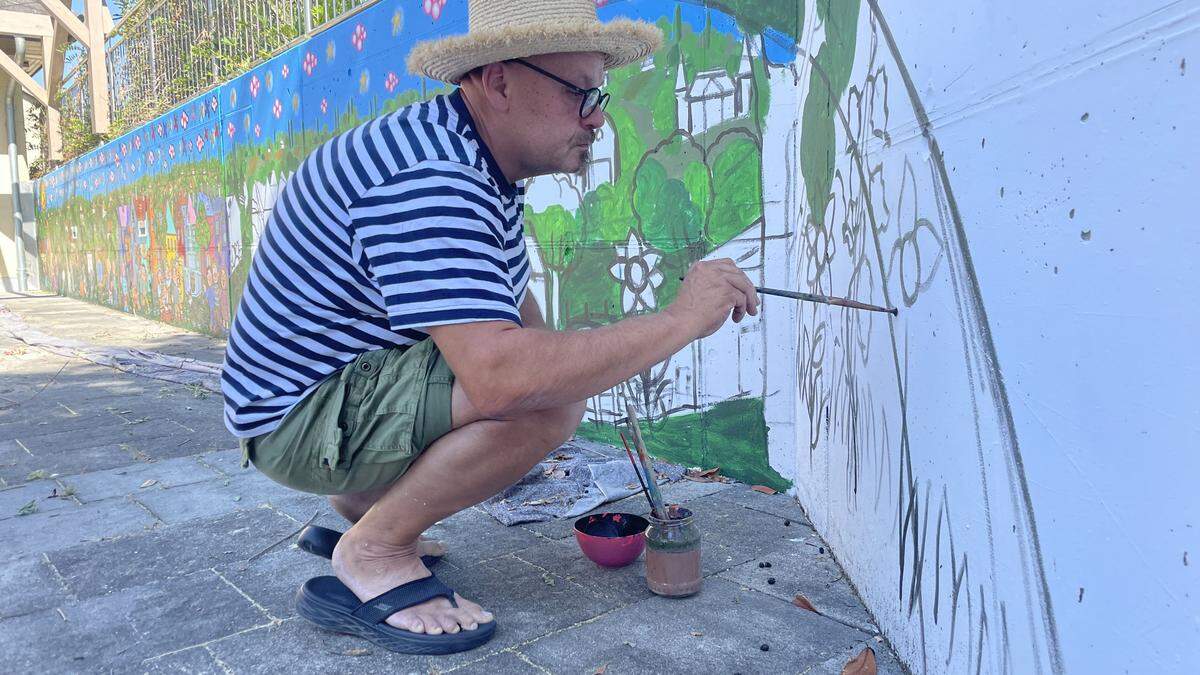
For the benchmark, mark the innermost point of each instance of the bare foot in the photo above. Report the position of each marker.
(369, 569)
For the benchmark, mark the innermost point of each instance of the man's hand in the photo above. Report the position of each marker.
(712, 290)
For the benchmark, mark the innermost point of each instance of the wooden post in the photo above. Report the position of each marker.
(97, 68)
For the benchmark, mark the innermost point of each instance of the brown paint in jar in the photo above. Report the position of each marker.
(673, 555)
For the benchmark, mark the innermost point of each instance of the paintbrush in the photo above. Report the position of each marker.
(826, 299)
(656, 499)
(637, 473)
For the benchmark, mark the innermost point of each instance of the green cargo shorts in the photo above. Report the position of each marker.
(362, 426)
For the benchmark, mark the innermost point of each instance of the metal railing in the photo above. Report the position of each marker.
(162, 52)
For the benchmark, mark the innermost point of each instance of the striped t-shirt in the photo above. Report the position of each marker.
(402, 223)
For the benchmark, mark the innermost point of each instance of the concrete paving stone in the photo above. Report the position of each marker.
(300, 506)
(526, 607)
(209, 499)
(886, 662)
(38, 491)
(116, 632)
(28, 585)
(504, 662)
(254, 487)
(564, 558)
(227, 461)
(527, 602)
(718, 630)
(272, 580)
(127, 480)
(69, 441)
(472, 536)
(49, 642)
(78, 461)
(42, 423)
(105, 567)
(782, 505)
(296, 646)
(194, 661)
(800, 568)
(46, 532)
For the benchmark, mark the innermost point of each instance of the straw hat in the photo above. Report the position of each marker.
(509, 29)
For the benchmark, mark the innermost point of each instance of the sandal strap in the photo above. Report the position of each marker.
(379, 608)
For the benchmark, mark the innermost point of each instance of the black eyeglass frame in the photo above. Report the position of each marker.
(601, 101)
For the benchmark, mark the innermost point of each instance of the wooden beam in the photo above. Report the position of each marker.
(26, 23)
(97, 68)
(69, 21)
(17, 73)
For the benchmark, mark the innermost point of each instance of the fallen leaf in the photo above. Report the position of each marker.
(356, 651)
(803, 603)
(709, 472)
(763, 489)
(540, 502)
(148, 483)
(600, 670)
(697, 633)
(37, 475)
(29, 508)
(863, 664)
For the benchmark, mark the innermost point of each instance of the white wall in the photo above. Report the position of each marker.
(8, 239)
(1008, 471)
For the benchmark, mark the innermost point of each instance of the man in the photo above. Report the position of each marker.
(385, 352)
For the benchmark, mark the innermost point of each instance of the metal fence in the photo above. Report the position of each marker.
(162, 52)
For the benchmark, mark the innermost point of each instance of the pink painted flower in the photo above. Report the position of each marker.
(433, 8)
(111, 176)
(254, 86)
(171, 151)
(137, 142)
(310, 63)
(212, 103)
(277, 109)
(124, 149)
(230, 129)
(184, 119)
(257, 131)
(390, 82)
(601, 3)
(150, 156)
(232, 97)
(283, 72)
(324, 106)
(358, 37)
(199, 142)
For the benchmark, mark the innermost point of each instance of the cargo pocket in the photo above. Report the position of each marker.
(383, 395)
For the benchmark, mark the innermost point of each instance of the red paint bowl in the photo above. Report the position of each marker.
(611, 539)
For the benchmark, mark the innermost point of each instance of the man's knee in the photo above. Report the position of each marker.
(558, 425)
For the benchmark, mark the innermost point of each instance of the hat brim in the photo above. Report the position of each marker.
(622, 41)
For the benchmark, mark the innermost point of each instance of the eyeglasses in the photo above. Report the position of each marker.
(592, 98)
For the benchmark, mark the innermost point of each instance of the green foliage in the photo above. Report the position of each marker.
(830, 75)
(737, 188)
(669, 220)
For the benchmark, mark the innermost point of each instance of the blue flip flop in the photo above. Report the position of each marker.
(320, 541)
(328, 603)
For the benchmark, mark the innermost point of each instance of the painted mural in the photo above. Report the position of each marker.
(788, 136)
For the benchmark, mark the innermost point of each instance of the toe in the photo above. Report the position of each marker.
(449, 623)
(411, 624)
(432, 625)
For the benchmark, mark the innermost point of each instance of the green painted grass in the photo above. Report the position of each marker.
(731, 435)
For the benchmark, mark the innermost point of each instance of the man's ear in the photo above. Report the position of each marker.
(496, 87)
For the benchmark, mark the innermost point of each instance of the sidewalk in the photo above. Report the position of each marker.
(146, 548)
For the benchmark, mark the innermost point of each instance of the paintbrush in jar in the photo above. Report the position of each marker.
(656, 499)
(637, 472)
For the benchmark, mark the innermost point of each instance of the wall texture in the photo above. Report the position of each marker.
(1005, 469)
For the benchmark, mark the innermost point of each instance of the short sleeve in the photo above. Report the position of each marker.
(433, 238)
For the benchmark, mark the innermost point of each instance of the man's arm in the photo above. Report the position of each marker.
(507, 370)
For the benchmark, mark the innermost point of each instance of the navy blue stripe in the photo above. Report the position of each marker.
(425, 256)
(409, 236)
(451, 315)
(449, 294)
(444, 273)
